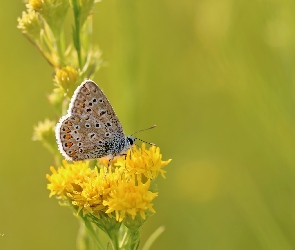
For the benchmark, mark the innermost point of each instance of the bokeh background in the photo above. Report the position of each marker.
(218, 79)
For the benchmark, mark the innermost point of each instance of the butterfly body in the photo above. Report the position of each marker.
(91, 129)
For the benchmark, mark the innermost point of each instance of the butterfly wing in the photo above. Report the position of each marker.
(91, 128)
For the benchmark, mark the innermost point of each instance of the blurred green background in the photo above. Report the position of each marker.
(218, 79)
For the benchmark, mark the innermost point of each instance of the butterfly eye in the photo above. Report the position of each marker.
(90, 103)
(109, 124)
(107, 134)
(97, 125)
(100, 100)
(77, 127)
(87, 125)
(130, 140)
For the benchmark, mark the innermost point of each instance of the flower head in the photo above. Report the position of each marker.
(52, 11)
(107, 190)
(145, 162)
(44, 132)
(35, 5)
(30, 24)
(67, 179)
(67, 78)
(129, 198)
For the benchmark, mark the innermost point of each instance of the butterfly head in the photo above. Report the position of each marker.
(130, 140)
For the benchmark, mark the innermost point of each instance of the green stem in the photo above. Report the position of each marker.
(114, 238)
(93, 233)
(76, 30)
(43, 53)
(59, 46)
(155, 235)
(134, 239)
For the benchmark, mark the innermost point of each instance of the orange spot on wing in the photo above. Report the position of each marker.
(77, 119)
(68, 136)
(66, 129)
(74, 153)
(68, 123)
(68, 144)
(82, 104)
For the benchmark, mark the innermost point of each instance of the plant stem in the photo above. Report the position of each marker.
(153, 237)
(93, 233)
(59, 46)
(134, 239)
(76, 31)
(114, 238)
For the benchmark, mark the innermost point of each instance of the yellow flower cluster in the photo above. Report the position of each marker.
(117, 190)
(67, 78)
(52, 11)
(144, 162)
(30, 24)
(43, 23)
(44, 132)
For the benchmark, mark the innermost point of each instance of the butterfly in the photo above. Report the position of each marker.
(91, 128)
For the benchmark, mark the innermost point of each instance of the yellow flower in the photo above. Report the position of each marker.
(44, 132)
(93, 192)
(67, 179)
(35, 5)
(142, 161)
(86, 188)
(67, 78)
(30, 24)
(108, 191)
(53, 11)
(129, 198)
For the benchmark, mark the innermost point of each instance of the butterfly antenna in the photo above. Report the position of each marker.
(152, 144)
(144, 130)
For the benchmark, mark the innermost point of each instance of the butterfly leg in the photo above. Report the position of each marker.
(125, 159)
(126, 154)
